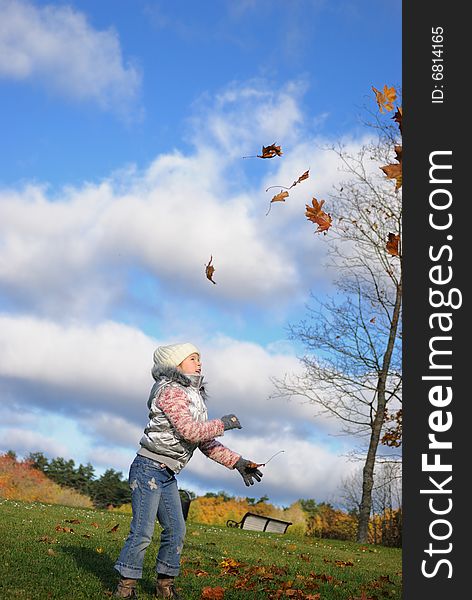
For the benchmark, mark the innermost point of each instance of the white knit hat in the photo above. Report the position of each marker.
(173, 355)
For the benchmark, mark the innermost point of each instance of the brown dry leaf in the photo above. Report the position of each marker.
(209, 270)
(398, 117)
(51, 552)
(392, 245)
(305, 175)
(230, 565)
(372, 320)
(305, 557)
(94, 525)
(318, 216)
(344, 563)
(395, 171)
(386, 98)
(72, 521)
(212, 593)
(114, 528)
(64, 529)
(270, 151)
(201, 573)
(280, 197)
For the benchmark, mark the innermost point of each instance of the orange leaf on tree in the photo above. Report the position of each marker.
(318, 216)
(386, 98)
(392, 245)
(395, 171)
(397, 117)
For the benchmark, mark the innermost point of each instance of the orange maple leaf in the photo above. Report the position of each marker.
(318, 216)
(386, 98)
(209, 270)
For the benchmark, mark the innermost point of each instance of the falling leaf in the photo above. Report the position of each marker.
(305, 175)
(398, 117)
(209, 270)
(114, 528)
(395, 171)
(392, 245)
(277, 198)
(302, 177)
(318, 216)
(212, 593)
(270, 151)
(386, 98)
(280, 197)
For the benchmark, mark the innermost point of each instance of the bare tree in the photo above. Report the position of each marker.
(352, 339)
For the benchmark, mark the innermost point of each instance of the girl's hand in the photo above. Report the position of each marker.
(231, 422)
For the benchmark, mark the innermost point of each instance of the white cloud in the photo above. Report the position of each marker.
(56, 46)
(24, 441)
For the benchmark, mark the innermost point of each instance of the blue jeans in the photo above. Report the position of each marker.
(154, 494)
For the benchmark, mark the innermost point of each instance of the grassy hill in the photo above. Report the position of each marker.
(63, 553)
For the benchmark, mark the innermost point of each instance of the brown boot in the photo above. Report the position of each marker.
(126, 588)
(165, 588)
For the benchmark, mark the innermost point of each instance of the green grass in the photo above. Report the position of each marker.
(39, 562)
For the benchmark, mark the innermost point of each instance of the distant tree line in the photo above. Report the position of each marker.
(108, 489)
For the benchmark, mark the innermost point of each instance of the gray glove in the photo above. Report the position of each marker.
(231, 422)
(248, 473)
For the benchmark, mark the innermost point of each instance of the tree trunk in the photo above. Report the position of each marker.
(368, 471)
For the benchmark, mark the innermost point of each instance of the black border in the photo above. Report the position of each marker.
(429, 127)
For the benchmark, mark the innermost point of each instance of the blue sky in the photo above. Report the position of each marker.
(123, 126)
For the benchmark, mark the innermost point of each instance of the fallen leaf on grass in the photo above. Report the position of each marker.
(210, 593)
(114, 528)
(344, 563)
(73, 521)
(51, 552)
(64, 529)
(96, 525)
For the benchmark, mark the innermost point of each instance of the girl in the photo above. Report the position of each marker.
(178, 424)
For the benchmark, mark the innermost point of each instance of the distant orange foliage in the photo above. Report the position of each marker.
(20, 481)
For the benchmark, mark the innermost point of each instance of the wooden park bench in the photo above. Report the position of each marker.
(255, 522)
